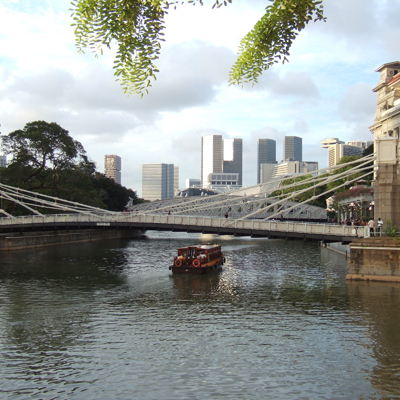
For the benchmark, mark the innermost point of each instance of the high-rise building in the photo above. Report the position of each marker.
(158, 181)
(266, 154)
(112, 167)
(220, 156)
(338, 149)
(212, 153)
(292, 148)
(3, 161)
(233, 158)
(176, 179)
(294, 167)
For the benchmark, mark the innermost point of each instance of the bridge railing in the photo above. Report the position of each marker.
(260, 225)
(188, 221)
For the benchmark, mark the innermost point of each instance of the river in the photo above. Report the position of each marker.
(108, 320)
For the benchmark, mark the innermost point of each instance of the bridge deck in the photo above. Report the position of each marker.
(207, 225)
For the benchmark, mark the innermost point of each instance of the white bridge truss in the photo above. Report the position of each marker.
(264, 201)
(252, 210)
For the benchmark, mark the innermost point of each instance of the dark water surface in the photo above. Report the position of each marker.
(107, 320)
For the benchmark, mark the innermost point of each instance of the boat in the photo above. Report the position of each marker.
(198, 259)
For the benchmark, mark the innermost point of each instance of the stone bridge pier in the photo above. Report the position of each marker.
(378, 258)
(386, 141)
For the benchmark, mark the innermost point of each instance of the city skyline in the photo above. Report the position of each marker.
(324, 91)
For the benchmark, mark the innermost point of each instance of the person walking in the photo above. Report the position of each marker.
(371, 225)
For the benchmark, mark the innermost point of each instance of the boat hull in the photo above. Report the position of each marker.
(195, 270)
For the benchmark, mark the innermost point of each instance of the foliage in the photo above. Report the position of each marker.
(343, 180)
(113, 195)
(40, 151)
(136, 26)
(314, 191)
(47, 160)
(270, 40)
(391, 230)
(369, 150)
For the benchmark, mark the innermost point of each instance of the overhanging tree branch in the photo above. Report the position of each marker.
(136, 26)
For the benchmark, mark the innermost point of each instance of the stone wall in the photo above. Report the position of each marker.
(40, 239)
(387, 194)
(375, 258)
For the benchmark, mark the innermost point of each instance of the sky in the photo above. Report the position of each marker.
(324, 91)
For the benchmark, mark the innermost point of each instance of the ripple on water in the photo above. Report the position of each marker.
(108, 320)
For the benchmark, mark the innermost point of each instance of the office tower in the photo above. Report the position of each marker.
(211, 156)
(266, 154)
(157, 181)
(338, 149)
(112, 167)
(292, 148)
(294, 167)
(233, 158)
(176, 179)
(3, 161)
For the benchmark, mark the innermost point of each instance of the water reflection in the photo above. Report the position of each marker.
(377, 305)
(109, 320)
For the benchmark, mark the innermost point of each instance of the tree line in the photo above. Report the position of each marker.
(47, 160)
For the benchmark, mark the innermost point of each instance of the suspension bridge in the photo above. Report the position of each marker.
(264, 210)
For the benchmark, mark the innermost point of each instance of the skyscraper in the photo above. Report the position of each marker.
(338, 149)
(157, 181)
(266, 154)
(233, 158)
(112, 167)
(211, 156)
(220, 156)
(176, 179)
(292, 148)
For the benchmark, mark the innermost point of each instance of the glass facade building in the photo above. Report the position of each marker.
(266, 154)
(158, 181)
(292, 148)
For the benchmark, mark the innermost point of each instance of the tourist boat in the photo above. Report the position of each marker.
(198, 259)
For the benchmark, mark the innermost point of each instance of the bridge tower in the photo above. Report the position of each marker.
(386, 141)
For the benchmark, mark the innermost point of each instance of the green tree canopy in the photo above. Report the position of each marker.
(40, 152)
(47, 160)
(136, 27)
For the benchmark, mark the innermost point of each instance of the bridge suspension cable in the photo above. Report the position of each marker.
(266, 201)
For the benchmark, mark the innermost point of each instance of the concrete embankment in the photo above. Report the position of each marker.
(20, 241)
(375, 259)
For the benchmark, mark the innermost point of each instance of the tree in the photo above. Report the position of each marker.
(136, 26)
(113, 195)
(47, 160)
(343, 180)
(40, 152)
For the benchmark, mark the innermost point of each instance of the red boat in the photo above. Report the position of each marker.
(198, 259)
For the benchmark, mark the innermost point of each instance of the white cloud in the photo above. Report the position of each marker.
(324, 91)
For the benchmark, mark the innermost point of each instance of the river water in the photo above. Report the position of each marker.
(108, 320)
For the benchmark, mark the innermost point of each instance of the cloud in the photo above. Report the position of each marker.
(91, 102)
(296, 84)
(357, 108)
